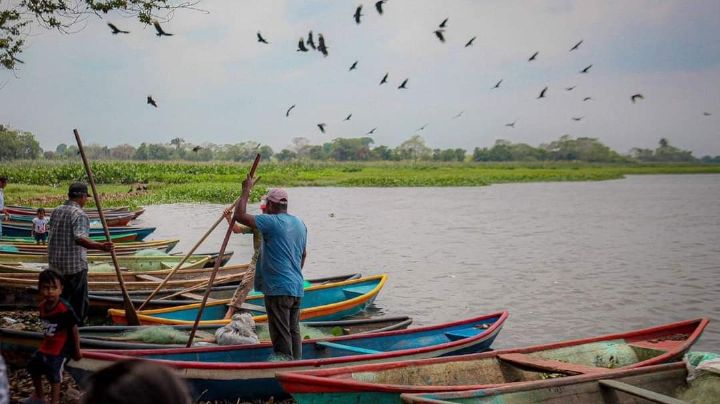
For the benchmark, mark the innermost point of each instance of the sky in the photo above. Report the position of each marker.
(213, 82)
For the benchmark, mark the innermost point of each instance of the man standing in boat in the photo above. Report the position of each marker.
(67, 244)
(282, 252)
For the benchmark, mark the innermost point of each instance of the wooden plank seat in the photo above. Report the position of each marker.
(549, 365)
(327, 344)
(640, 392)
(455, 335)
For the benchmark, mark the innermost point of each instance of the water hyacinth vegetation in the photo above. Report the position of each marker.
(36, 183)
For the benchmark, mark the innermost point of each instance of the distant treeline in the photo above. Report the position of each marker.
(22, 145)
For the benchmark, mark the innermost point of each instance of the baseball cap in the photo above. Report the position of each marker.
(78, 189)
(278, 195)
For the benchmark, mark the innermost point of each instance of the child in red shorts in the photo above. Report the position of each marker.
(61, 341)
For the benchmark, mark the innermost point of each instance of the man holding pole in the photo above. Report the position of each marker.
(282, 252)
(69, 239)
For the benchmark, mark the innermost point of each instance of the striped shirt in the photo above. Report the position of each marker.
(68, 222)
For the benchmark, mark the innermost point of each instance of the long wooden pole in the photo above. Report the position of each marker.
(130, 314)
(251, 174)
(192, 250)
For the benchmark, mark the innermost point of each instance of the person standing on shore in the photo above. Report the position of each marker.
(282, 257)
(3, 212)
(69, 239)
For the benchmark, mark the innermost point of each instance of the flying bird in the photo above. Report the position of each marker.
(151, 101)
(287, 113)
(442, 24)
(159, 29)
(354, 66)
(378, 6)
(470, 42)
(404, 83)
(587, 99)
(322, 127)
(511, 124)
(577, 118)
(347, 118)
(197, 148)
(116, 30)
(310, 42)
(497, 85)
(384, 79)
(636, 97)
(577, 45)
(458, 115)
(570, 88)
(371, 131)
(422, 127)
(542, 93)
(261, 39)
(321, 45)
(358, 14)
(585, 70)
(706, 114)
(534, 55)
(301, 46)
(439, 34)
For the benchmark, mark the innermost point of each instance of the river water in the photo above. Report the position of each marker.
(567, 260)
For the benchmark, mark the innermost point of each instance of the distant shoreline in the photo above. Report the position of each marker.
(33, 183)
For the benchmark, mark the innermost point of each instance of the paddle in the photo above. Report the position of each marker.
(130, 314)
(192, 250)
(251, 174)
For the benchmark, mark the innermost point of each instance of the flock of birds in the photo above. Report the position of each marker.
(306, 44)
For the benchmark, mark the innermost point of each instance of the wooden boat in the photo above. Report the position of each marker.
(384, 383)
(244, 372)
(18, 229)
(657, 384)
(91, 212)
(116, 238)
(122, 219)
(20, 290)
(17, 262)
(18, 345)
(333, 301)
(102, 301)
(124, 248)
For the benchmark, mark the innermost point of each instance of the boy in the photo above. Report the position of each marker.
(39, 228)
(61, 337)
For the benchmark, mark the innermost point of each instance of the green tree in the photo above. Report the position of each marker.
(18, 17)
(18, 145)
(351, 149)
(414, 149)
(286, 155)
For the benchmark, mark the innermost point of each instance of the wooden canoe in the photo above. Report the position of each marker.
(91, 212)
(17, 229)
(122, 219)
(16, 263)
(115, 238)
(18, 345)
(333, 301)
(244, 372)
(103, 301)
(124, 248)
(385, 382)
(657, 384)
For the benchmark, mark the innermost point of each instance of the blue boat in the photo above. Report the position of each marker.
(244, 372)
(332, 301)
(16, 229)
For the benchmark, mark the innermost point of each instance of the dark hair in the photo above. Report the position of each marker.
(49, 276)
(41, 210)
(3, 178)
(136, 382)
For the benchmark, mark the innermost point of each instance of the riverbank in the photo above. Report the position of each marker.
(134, 183)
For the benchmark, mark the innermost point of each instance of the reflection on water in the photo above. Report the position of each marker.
(566, 259)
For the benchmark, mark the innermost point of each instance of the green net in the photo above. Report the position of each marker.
(157, 335)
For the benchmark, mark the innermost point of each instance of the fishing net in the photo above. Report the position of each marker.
(703, 378)
(157, 335)
(149, 252)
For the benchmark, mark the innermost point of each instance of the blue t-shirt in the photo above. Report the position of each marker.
(284, 238)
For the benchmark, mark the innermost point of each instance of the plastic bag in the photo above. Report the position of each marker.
(240, 331)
